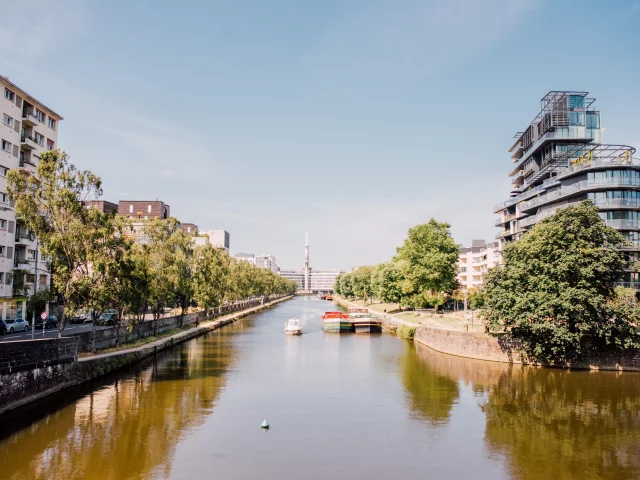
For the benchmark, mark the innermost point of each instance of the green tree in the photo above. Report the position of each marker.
(210, 276)
(346, 285)
(38, 301)
(386, 283)
(557, 286)
(336, 284)
(477, 298)
(428, 261)
(361, 282)
(51, 204)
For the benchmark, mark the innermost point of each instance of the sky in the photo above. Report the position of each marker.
(356, 119)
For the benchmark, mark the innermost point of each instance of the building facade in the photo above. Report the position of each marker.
(189, 228)
(246, 257)
(474, 261)
(219, 238)
(267, 261)
(559, 161)
(28, 129)
(102, 206)
(143, 209)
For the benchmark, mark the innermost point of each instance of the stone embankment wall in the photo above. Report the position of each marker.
(29, 368)
(32, 369)
(482, 346)
(110, 337)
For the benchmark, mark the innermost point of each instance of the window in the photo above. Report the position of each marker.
(148, 208)
(3, 197)
(49, 144)
(6, 146)
(39, 139)
(593, 120)
(9, 95)
(3, 171)
(130, 208)
(7, 120)
(39, 115)
(146, 217)
(52, 123)
(43, 280)
(31, 255)
(2, 251)
(7, 278)
(3, 224)
(29, 278)
(9, 253)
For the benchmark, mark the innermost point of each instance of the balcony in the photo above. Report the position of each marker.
(623, 224)
(505, 219)
(23, 238)
(29, 118)
(634, 285)
(28, 142)
(585, 185)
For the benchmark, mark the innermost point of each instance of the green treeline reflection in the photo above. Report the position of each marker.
(128, 429)
(546, 423)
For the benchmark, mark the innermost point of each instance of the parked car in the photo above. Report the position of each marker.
(3, 328)
(50, 322)
(17, 325)
(79, 317)
(107, 318)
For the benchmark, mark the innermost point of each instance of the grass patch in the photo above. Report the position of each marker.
(404, 331)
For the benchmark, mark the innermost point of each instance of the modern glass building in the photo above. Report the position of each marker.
(559, 161)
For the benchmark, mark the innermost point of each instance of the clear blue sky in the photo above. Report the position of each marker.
(355, 118)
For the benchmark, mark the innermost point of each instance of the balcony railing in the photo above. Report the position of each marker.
(605, 162)
(29, 118)
(623, 224)
(583, 185)
(29, 141)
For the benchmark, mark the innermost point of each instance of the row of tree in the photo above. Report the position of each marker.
(421, 274)
(97, 264)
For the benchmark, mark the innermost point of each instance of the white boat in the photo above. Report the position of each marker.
(292, 327)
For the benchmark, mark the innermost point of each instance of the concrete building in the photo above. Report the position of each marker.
(559, 161)
(267, 261)
(295, 275)
(246, 257)
(219, 238)
(475, 260)
(28, 129)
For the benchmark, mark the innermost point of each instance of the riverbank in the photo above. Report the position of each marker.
(38, 368)
(454, 339)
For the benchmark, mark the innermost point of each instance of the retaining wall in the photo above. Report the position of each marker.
(499, 348)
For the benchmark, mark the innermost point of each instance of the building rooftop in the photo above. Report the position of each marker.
(29, 97)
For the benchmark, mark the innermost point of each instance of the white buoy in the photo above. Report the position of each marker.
(265, 424)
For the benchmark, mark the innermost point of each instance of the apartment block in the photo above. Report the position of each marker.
(219, 238)
(474, 261)
(28, 129)
(558, 161)
(143, 209)
(267, 261)
(246, 257)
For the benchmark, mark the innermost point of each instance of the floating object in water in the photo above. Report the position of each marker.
(293, 327)
(265, 424)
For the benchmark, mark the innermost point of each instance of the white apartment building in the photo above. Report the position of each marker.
(218, 238)
(267, 261)
(246, 257)
(28, 129)
(474, 261)
(319, 280)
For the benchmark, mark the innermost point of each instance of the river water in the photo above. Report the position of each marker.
(340, 407)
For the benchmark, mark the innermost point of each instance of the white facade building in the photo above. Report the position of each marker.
(474, 261)
(246, 257)
(28, 129)
(267, 261)
(219, 238)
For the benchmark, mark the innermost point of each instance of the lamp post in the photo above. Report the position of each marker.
(35, 286)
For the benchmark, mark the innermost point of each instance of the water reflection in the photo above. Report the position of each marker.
(546, 423)
(431, 395)
(127, 429)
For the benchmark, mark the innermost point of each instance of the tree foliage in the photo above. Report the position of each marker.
(556, 290)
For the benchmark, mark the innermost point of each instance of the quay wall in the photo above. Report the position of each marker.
(482, 346)
(33, 369)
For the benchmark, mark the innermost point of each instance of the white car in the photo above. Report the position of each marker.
(17, 325)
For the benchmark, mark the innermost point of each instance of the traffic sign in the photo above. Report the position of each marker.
(43, 315)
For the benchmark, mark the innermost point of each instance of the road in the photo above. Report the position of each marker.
(50, 333)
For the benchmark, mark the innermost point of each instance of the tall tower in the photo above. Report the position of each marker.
(306, 262)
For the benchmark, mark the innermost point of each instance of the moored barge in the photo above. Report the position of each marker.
(336, 322)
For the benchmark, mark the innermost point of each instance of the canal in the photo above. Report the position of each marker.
(340, 407)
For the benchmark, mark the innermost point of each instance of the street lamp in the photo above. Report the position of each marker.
(32, 237)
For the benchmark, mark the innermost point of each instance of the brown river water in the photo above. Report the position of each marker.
(340, 407)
